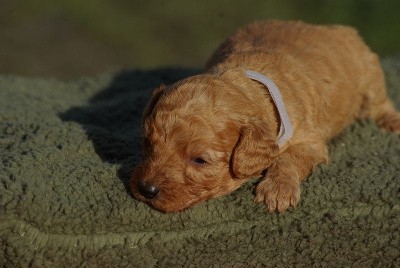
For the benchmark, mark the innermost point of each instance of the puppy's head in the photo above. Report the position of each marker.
(201, 140)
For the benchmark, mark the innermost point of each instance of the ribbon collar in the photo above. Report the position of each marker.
(286, 128)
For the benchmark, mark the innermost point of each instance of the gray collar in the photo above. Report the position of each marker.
(286, 128)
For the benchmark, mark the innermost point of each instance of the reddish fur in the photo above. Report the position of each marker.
(328, 78)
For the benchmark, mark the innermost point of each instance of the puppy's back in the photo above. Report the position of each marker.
(296, 38)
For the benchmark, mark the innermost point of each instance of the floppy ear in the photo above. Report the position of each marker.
(155, 96)
(253, 153)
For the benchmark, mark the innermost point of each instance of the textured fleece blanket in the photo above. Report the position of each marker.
(66, 152)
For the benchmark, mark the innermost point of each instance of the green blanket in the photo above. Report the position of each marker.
(66, 152)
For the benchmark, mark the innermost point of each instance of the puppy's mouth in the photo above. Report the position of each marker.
(161, 199)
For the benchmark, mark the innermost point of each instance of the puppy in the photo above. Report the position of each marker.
(272, 95)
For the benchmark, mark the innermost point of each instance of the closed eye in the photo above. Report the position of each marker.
(200, 161)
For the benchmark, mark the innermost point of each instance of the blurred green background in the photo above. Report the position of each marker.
(82, 37)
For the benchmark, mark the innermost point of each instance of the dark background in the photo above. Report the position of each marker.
(73, 38)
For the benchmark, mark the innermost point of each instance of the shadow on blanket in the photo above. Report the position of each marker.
(66, 152)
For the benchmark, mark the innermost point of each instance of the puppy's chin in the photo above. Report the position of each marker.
(166, 206)
(170, 207)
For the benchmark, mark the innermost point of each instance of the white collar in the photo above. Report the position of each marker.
(286, 128)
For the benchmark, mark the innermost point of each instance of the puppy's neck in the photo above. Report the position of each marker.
(260, 102)
(285, 129)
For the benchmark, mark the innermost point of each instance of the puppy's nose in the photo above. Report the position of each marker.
(147, 190)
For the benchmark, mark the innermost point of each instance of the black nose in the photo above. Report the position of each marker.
(147, 190)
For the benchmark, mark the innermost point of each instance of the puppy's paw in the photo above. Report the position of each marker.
(390, 121)
(278, 194)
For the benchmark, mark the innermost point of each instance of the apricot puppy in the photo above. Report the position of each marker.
(273, 94)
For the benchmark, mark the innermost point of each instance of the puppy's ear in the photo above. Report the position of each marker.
(253, 153)
(155, 96)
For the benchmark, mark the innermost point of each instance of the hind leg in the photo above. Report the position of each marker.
(387, 117)
(379, 107)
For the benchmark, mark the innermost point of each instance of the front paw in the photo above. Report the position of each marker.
(278, 194)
